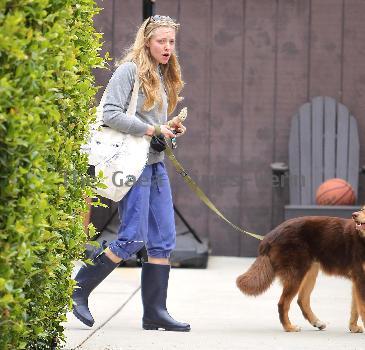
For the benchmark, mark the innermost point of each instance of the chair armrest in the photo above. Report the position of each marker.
(279, 168)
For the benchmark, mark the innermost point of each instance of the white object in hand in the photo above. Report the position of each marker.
(183, 114)
(180, 117)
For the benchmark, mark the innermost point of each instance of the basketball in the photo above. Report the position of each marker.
(335, 192)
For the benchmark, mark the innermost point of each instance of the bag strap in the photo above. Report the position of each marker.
(131, 111)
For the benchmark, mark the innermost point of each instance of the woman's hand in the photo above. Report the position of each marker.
(176, 125)
(166, 131)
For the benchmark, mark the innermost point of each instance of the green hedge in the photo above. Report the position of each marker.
(47, 51)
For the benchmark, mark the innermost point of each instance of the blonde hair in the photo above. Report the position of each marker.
(149, 79)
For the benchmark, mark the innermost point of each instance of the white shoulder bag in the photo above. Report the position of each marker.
(120, 156)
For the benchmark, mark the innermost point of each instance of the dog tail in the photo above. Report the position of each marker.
(258, 278)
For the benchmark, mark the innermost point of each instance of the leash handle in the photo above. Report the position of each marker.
(202, 196)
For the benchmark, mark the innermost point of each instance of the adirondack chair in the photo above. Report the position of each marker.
(323, 144)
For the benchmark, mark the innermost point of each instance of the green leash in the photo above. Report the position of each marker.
(201, 195)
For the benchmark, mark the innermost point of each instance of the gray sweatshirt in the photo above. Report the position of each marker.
(119, 92)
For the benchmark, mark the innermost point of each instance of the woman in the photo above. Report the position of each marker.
(146, 212)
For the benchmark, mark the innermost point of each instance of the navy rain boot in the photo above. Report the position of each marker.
(87, 279)
(154, 286)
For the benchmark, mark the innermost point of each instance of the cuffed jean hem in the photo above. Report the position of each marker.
(124, 253)
(159, 254)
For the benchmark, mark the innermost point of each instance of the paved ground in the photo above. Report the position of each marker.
(220, 316)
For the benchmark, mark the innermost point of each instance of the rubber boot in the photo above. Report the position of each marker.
(87, 279)
(154, 286)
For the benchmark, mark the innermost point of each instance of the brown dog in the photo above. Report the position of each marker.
(295, 250)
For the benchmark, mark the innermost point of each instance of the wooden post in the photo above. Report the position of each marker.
(148, 8)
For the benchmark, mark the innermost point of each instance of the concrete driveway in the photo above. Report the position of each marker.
(220, 316)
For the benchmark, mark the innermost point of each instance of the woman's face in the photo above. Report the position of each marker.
(162, 44)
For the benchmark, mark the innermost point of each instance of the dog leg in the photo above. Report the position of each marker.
(354, 327)
(305, 291)
(290, 289)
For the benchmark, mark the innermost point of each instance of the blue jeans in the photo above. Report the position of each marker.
(147, 216)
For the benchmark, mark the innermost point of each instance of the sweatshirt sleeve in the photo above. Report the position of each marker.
(118, 90)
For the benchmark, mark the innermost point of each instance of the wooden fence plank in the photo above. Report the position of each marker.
(354, 73)
(258, 119)
(325, 48)
(225, 130)
(193, 149)
(104, 24)
(290, 86)
(127, 19)
(294, 161)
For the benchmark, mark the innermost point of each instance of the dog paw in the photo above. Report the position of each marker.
(354, 328)
(292, 328)
(320, 325)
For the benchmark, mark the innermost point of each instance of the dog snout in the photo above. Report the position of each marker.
(355, 215)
